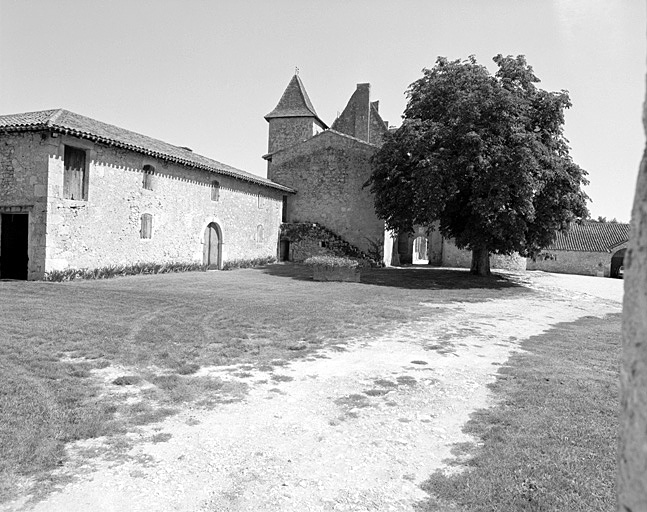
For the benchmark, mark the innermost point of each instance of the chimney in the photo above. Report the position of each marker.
(362, 114)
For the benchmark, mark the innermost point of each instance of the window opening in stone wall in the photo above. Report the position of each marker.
(74, 176)
(260, 235)
(147, 226)
(215, 190)
(261, 201)
(147, 180)
(284, 211)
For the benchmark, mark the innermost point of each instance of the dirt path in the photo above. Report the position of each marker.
(358, 429)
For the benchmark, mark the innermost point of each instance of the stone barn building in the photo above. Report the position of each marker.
(79, 193)
(588, 248)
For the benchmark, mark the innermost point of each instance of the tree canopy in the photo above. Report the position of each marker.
(485, 156)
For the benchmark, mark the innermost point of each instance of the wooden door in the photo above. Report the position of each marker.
(211, 255)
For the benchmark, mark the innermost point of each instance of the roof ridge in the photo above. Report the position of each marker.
(77, 125)
(304, 95)
(54, 117)
(320, 134)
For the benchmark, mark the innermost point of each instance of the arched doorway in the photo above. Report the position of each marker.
(420, 250)
(212, 251)
(617, 261)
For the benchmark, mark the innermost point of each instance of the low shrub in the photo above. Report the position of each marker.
(109, 271)
(248, 263)
(332, 262)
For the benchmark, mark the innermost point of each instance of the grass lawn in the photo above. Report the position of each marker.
(550, 443)
(162, 329)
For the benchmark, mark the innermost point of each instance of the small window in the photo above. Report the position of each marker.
(261, 201)
(260, 234)
(215, 190)
(147, 226)
(147, 180)
(74, 175)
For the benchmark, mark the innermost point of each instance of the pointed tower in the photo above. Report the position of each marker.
(294, 119)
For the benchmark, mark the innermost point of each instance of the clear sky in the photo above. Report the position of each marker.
(203, 74)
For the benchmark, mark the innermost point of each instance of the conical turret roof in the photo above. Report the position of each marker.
(295, 102)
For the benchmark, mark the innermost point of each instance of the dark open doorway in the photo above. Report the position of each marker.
(617, 261)
(284, 250)
(13, 246)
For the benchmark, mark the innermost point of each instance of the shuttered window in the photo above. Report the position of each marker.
(147, 180)
(147, 226)
(215, 190)
(74, 186)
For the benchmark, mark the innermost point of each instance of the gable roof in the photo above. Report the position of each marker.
(295, 102)
(323, 133)
(591, 236)
(64, 121)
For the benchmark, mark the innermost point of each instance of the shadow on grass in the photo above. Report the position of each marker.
(550, 442)
(411, 278)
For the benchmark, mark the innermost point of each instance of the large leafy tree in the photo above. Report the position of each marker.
(485, 155)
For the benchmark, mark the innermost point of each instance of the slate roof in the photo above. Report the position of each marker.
(295, 102)
(591, 236)
(64, 121)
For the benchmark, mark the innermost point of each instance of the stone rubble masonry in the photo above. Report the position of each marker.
(574, 262)
(23, 186)
(287, 131)
(361, 118)
(329, 171)
(632, 467)
(105, 229)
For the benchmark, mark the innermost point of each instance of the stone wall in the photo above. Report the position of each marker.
(573, 262)
(23, 189)
(286, 131)
(455, 257)
(632, 466)
(105, 229)
(328, 172)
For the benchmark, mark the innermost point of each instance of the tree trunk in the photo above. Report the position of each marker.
(480, 261)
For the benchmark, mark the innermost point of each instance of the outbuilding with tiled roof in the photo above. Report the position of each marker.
(588, 248)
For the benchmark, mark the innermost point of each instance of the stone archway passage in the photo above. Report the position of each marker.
(617, 261)
(212, 246)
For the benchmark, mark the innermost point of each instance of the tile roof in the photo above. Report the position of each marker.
(591, 236)
(295, 102)
(64, 121)
(268, 156)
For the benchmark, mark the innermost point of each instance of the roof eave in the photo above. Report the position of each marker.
(96, 138)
